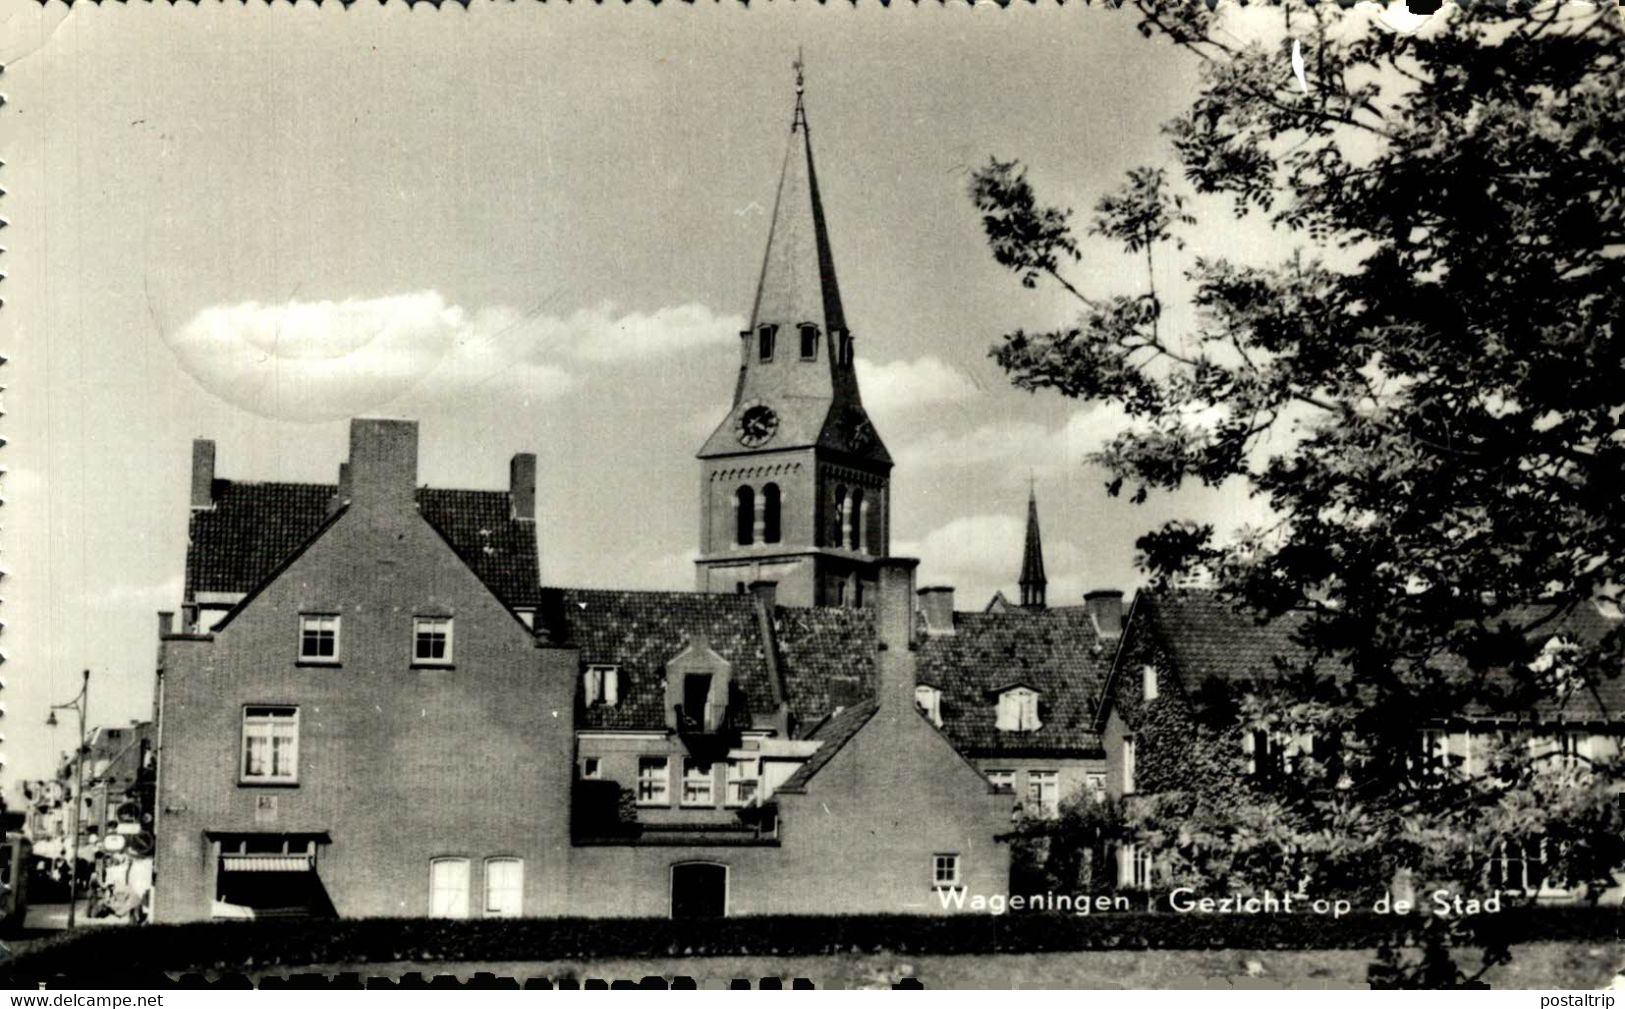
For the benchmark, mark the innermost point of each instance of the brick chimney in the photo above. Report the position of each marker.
(937, 604)
(1105, 607)
(767, 592)
(522, 485)
(894, 611)
(383, 463)
(341, 494)
(202, 473)
(894, 627)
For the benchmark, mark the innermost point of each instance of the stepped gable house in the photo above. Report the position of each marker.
(370, 705)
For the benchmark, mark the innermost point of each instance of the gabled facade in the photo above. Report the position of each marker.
(320, 739)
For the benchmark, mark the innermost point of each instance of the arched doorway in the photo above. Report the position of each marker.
(699, 890)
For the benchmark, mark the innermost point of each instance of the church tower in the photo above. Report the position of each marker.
(795, 482)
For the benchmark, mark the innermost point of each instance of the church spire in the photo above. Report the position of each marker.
(797, 284)
(1032, 558)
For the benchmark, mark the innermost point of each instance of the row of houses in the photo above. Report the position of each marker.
(376, 708)
(370, 703)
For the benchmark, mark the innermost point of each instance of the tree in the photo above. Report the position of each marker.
(1427, 386)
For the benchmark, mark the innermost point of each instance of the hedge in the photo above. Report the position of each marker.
(113, 952)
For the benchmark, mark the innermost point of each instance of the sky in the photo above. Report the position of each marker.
(530, 229)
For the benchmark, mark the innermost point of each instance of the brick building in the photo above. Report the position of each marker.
(371, 705)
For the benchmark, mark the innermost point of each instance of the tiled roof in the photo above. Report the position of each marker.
(480, 526)
(1206, 636)
(835, 733)
(826, 657)
(642, 631)
(1056, 651)
(254, 527)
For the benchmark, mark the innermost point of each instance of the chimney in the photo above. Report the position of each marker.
(522, 485)
(767, 593)
(894, 616)
(1105, 607)
(383, 462)
(937, 603)
(202, 473)
(166, 623)
(341, 493)
(895, 672)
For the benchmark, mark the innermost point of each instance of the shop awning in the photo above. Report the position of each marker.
(234, 862)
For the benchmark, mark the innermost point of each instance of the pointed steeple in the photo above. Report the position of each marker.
(1032, 558)
(797, 284)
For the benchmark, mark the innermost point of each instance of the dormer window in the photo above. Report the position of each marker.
(766, 336)
(1018, 710)
(929, 700)
(809, 341)
(697, 686)
(601, 684)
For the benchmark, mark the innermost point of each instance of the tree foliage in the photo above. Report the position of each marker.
(1427, 385)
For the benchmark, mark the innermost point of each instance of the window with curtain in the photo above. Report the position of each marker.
(448, 888)
(270, 744)
(504, 887)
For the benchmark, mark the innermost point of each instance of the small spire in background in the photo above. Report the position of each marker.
(1032, 581)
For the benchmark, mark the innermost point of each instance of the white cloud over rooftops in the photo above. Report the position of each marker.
(324, 360)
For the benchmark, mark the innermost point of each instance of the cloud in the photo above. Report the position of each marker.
(902, 385)
(1017, 446)
(323, 360)
(600, 335)
(981, 554)
(1027, 447)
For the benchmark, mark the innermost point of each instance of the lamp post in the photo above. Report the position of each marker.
(78, 704)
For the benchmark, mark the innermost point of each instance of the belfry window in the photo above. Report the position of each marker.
(856, 512)
(744, 516)
(770, 513)
(765, 338)
(838, 523)
(809, 342)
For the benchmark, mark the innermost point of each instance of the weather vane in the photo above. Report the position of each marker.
(800, 117)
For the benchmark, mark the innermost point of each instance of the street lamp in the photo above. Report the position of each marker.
(79, 703)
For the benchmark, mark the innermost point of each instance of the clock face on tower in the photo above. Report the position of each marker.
(756, 424)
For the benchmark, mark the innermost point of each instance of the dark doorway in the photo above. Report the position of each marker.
(699, 890)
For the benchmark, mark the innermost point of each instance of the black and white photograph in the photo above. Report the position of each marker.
(798, 495)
